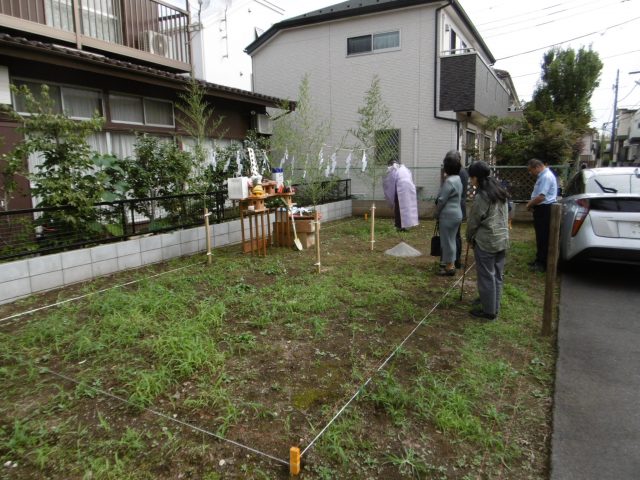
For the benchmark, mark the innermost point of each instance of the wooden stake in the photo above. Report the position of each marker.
(317, 235)
(208, 234)
(464, 271)
(294, 461)
(552, 265)
(373, 224)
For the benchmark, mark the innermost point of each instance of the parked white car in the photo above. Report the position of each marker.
(601, 216)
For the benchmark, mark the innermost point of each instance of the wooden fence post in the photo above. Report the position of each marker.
(552, 266)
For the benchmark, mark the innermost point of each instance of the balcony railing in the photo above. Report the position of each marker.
(467, 84)
(144, 29)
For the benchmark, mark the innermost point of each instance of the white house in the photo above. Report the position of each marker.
(221, 31)
(434, 69)
(628, 136)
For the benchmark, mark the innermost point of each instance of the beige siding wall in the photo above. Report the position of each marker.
(339, 83)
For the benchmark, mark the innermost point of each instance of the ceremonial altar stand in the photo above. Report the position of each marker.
(257, 214)
(255, 211)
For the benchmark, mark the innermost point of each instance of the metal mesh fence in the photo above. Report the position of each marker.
(46, 230)
(519, 182)
(516, 179)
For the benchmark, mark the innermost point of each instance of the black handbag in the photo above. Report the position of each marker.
(436, 251)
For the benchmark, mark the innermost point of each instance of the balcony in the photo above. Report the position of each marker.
(139, 30)
(467, 84)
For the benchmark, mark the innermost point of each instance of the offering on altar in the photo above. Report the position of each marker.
(257, 189)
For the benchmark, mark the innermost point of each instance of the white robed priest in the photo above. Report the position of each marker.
(400, 193)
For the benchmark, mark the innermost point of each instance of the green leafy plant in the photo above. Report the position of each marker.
(66, 175)
(301, 135)
(376, 139)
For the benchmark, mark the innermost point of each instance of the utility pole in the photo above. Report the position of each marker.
(614, 160)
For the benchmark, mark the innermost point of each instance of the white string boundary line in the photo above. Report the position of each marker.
(383, 364)
(165, 416)
(194, 427)
(29, 312)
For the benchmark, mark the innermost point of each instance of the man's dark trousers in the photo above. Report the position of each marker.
(541, 224)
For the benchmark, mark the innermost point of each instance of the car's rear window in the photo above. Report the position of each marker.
(615, 204)
(609, 184)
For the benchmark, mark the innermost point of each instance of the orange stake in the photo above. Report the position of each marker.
(294, 461)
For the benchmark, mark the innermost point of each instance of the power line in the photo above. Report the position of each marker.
(545, 23)
(566, 41)
(535, 18)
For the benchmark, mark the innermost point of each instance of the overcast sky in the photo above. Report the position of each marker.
(511, 28)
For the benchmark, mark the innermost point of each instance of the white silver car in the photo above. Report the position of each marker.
(601, 216)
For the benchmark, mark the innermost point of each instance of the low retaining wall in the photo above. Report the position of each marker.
(24, 277)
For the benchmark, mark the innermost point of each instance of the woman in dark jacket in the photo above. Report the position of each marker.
(488, 232)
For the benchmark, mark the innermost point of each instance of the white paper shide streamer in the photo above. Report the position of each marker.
(213, 159)
(364, 160)
(239, 163)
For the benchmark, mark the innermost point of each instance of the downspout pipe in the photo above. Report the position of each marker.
(436, 69)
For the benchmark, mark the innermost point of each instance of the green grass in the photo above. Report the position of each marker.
(264, 351)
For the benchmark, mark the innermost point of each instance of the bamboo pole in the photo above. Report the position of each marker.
(552, 265)
(464, 271)
(207, 233)
(317, 235)
(373, 224)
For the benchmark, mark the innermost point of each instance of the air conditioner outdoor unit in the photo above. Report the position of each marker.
(263, 124)
(158, 44)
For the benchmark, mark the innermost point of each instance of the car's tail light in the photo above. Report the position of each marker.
(581, 214)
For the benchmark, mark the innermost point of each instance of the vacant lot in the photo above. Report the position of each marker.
(264, 352)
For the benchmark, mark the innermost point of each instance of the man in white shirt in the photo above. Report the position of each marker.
(543, 196)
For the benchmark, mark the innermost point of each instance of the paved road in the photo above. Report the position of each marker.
(596, 419)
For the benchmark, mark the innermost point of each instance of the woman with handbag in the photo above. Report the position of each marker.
(448, 212)
(488, 232)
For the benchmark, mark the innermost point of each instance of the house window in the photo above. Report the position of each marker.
(487, 148)
(383, 41)
(158, 112)
(373, 43)
(387, 146)
(141, 111)
(76, 103)
(19, 101)
(470, 147)
(126, 109)
(357, 45)
(453, 44)
(80, 103)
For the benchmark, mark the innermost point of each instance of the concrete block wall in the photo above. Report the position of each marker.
(24, 277)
